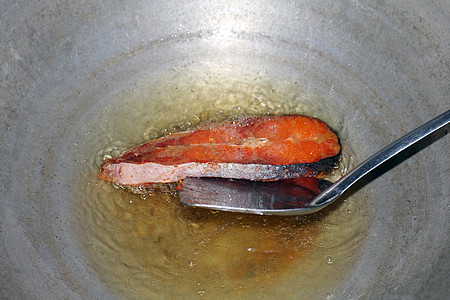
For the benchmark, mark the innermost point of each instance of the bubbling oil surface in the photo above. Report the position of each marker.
(152, 247)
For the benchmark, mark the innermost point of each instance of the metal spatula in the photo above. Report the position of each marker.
(292, 197)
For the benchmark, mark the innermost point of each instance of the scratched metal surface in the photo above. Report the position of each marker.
(385, 65)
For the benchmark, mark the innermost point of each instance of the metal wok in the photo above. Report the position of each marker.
(380, 68)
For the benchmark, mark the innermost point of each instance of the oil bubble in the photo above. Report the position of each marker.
(137, 283)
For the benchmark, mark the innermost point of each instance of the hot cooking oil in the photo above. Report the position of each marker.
(152, 247)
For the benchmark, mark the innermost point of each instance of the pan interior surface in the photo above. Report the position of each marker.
(80, 83)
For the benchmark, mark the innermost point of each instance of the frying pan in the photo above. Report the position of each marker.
(373, 70)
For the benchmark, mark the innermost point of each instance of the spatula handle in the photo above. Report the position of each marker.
(393, 149)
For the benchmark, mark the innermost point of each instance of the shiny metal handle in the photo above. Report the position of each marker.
(340, 186)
